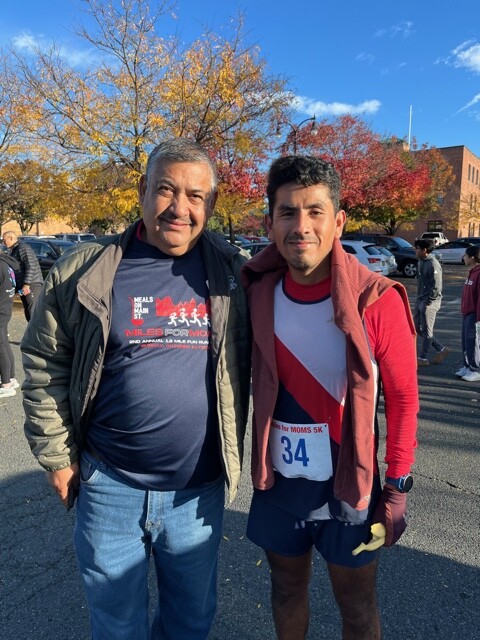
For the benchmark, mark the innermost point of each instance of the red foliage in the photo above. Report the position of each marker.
(379, 175)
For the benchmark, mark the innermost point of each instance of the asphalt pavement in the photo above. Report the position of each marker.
(428, 584)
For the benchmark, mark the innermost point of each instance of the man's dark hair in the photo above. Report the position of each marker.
(473, 252)
(425, 243)
(305, 170)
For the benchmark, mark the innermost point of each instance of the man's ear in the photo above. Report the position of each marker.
(268, 226)
(340, 219)
(142, 187)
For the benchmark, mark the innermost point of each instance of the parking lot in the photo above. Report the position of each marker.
(429, 583)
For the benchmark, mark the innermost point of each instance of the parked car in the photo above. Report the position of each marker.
(254, 247)
(237, 240)
(256, 239)
(47, 251)
(390, 259)
(452, 252)
(403, 251)
(367, 254)
(76, 237)
(472, 239)
(438, 237)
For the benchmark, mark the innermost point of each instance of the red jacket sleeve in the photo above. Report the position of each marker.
(394, 349)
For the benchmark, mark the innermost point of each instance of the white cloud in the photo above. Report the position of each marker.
(467, 55)
(25, 42)
(365, 57)
(473, 101)
(403, 29)
(319, 109)
(28, 43)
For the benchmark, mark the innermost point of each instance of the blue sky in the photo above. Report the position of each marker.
(373, 59)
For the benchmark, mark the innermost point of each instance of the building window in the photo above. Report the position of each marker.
(435, 225)
(440, 200)
(476, 181)
(471, 201)
(469, 171)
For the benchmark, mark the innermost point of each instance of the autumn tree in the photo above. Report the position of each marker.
(407, 184)
(462, 210)
(144, 87)
(11, 115)
(102, 195)
(241, 187)
(349, 144)
(384, 183)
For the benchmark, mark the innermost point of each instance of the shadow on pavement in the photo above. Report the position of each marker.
(422, 595)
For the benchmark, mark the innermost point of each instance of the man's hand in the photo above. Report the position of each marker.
(64, 480)
(391, 511)
(26, 289)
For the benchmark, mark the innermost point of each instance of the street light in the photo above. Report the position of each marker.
(296, 128)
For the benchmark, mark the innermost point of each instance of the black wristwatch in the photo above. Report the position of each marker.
(402, 484)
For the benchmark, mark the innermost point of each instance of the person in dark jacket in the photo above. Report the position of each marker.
(137, 385)
(29, 276)
(470, 308)
(427, 304)
(7, 292)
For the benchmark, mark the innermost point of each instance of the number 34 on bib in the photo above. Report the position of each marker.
(301, 450)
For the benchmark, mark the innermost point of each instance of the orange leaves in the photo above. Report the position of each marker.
(382, 180)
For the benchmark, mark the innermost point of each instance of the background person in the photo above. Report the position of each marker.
(326, 332)
(29, 277)
(428, 302)
(146, 414)
(8, 381)
(470, 308)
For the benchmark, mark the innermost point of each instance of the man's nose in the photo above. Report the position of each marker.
(179, 205)
(301, 222)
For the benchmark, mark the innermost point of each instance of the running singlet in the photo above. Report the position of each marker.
(306, 429)
(154, 419)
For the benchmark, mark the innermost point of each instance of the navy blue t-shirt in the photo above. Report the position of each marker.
(155, 419)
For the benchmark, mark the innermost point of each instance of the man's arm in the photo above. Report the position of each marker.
(30, 261)
(393, 344)
(436, 280)
(47, 354)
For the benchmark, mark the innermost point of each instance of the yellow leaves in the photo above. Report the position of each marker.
(138, 89)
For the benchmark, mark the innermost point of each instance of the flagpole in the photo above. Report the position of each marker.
(410, 127)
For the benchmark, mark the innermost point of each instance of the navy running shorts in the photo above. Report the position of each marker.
(276, 530)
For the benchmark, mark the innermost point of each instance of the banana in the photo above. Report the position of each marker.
(379, 534)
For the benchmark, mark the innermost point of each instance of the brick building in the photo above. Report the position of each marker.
(459, 214)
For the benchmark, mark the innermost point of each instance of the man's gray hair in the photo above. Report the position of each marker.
(180, 150)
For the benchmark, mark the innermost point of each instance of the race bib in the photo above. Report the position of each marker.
(301, 450)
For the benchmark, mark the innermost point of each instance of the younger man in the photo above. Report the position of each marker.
(326, 332)
(429, 299)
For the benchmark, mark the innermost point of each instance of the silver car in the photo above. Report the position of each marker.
(367, 254)
(390, 258)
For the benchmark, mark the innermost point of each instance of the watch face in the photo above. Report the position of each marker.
(407, 484)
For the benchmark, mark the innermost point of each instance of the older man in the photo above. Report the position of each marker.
(137, 370)
(29, 276)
